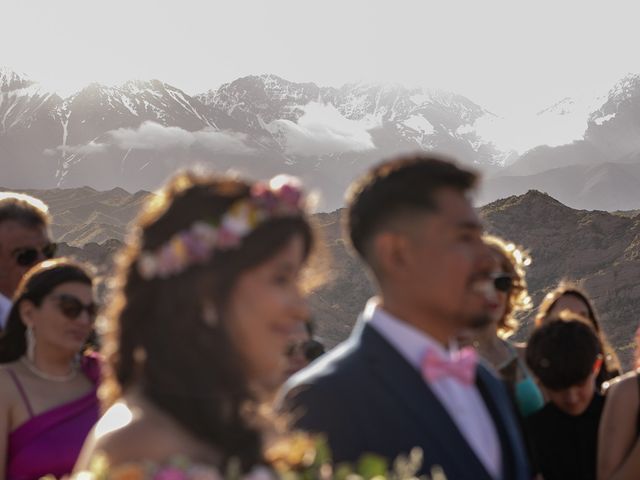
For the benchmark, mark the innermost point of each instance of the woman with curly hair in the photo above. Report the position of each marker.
(208, 295)
(510, 298)
(569, 296)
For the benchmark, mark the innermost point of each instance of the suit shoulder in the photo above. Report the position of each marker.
(335, 367)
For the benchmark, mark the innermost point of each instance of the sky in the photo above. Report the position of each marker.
(513, 57)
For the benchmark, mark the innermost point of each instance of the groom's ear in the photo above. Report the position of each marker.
(391, 253)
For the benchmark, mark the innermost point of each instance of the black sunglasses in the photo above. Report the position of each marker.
(71, 307)
(28, 256)
(503, 283)
(311, 349)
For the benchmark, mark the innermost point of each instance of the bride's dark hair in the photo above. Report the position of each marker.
(160, 335)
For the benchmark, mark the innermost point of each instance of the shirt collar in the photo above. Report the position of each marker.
(410, 342)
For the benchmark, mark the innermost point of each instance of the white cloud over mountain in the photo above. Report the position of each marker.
(323, 130)
(153, 136)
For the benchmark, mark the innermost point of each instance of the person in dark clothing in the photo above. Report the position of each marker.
(401, 381)
(564, 355)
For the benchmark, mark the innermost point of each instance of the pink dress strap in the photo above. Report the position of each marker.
(23, 394)
(49, 442)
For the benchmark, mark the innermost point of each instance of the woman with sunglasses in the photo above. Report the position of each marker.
(208, 294)
(302, 349)
(48, 401)
(511, 297)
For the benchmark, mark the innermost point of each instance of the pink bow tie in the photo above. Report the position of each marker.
(461, 367)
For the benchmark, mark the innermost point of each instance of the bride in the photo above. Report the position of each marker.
(207, 296)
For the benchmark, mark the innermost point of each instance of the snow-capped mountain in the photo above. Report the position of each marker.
(615, 126)
(10, 80)
(22, 101)
(135, 134)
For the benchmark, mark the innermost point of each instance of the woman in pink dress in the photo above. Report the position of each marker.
(48, 401)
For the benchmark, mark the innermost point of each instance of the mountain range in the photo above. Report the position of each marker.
(599, 249)
(133, 135)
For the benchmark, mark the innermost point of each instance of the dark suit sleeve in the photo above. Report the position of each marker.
(321, 409)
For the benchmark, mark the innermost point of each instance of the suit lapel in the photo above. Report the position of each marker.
(498, 415)
(440, 432)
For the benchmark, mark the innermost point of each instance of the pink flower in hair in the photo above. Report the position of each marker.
(290, 195)
(282, 196)
(197, 250)
(227, 239)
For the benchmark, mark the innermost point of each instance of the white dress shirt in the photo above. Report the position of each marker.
(5, 307)
(463, 402)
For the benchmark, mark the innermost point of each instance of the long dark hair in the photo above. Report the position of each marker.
(159, 336)
(34, 287)
(611, 367)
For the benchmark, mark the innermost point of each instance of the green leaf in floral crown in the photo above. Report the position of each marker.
(342, 471)
(234, 470)
(323, 452)
(370, 466)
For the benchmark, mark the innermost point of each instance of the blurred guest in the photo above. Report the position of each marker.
(511, 297)
(569, 296)
(207, 296)
(302, 349)
(619, 438)
(48, 399)
(24, 241)
(564, 354)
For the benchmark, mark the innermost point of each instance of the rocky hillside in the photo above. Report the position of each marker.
(598, 248)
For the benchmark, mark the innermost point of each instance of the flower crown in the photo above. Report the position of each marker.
(281, 197)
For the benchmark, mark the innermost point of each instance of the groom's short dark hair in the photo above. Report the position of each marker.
(397, 187)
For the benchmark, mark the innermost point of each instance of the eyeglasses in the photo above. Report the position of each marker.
(28, 256)
(71, 307)
(311, 349)
(502, 282)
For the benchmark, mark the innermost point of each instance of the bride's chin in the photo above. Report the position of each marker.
(265, 387)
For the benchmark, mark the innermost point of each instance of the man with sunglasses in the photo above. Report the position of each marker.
(401, 381)
(24, 242)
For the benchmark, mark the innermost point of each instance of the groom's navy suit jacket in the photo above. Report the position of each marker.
(365, 397)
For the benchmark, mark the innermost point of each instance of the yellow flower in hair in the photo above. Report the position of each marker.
(127, 472)
(295, 452)
(178, 247)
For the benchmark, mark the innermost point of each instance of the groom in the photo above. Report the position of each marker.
(400, 381)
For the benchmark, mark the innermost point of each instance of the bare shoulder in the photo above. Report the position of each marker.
(130, 432)
(8, 390)
(623, 389)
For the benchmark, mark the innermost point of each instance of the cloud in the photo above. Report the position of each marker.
(225, 142)
(323, 130)
(153, 136)
(87, 149)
